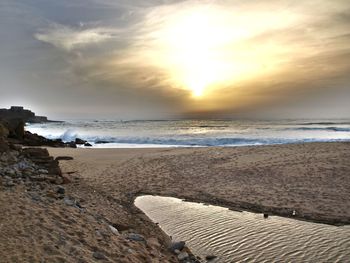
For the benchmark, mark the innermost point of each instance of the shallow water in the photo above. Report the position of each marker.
(246, 237)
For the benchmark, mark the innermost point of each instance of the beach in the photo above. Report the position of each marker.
(307, 181)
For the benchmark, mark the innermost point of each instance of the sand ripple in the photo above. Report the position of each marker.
(242, 237)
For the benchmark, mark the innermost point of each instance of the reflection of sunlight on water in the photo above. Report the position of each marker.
(244, 236)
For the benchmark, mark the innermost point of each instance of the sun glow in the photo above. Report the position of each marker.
(205, 48)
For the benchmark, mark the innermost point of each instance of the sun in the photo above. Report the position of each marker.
(195, 42)
(204, 48)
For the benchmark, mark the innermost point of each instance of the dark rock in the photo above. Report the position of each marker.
(4, 132)
(15, 128)
(210, 257)
(79, 141)
(60, 190)
(136, 237)
(15, 147)
(87, 144)
(120, 227)
(98, 255)
(66, 158)
(177, 246)
(16, 112)
(266, 215)
(71, 144)
(4, 147)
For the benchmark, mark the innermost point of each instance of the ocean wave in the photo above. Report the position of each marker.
(180, 141)
(336, 129)
(324, 123)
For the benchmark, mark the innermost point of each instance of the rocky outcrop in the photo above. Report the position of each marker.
(29, 166)
(19, 113)
(12, 129)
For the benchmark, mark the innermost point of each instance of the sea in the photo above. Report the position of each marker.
(193, 133)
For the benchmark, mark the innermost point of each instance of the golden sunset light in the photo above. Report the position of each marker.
(209, 47)
(174, 131)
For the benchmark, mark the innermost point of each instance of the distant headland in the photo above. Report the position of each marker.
(18, 112)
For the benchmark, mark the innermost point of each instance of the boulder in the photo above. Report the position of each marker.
(79, 141)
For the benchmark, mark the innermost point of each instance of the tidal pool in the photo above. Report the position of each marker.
(246, 237)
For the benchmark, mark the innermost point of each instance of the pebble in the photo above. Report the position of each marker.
(9, 183)
(60, 190)
(136, 237)
(114, 230)
(183, 256)
(43, 171)
(68, 201)
(210, 257)
(98, 255)
(177, 246)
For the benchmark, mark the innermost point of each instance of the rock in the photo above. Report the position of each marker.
(43, 171)
(210, 257)
(79, 141)
(182, 256)
(71, 144)
(66, 158)
(266, 215)
(69, 201)
(4, 132)
(4, 147)
(177, 246)
(15, 147)
(98, 255)
(18, 112)
(114, 230)
(87, 144)
(9, 183)
(60, 190)
(136, 237)
(120, 227)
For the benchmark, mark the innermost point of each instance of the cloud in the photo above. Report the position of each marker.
(69, 38)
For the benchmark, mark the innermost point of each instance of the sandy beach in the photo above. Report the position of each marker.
(311, 179)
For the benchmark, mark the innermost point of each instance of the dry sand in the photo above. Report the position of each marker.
(313, 179)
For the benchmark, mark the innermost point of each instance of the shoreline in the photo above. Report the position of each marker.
(311, 178)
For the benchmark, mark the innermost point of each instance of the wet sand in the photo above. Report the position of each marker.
(313, 179)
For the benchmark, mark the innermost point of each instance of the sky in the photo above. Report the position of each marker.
(153, 59)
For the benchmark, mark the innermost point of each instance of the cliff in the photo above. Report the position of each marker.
(16, 112)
